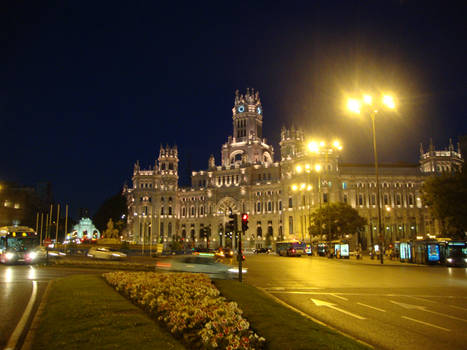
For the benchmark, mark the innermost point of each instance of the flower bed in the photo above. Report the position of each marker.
(191, 308)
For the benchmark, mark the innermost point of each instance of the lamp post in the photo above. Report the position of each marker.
(355, 106)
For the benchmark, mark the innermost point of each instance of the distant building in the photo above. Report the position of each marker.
(20, 204)
(278, 196)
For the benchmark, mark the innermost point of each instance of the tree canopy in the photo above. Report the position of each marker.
(446, 197)
(336, 220)
(114, 208)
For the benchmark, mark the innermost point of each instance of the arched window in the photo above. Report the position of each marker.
(170, 210)
(411, 199)
(269, 206)
(201, 210)
(192, 211)
(258, 207)
(183, 211)
(398, 199)
(162, 210)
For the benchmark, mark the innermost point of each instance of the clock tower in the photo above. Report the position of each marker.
(247, 143)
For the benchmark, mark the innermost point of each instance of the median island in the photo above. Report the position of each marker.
(145, 310)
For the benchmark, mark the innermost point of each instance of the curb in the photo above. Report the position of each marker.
(27, 344)
(283, 303)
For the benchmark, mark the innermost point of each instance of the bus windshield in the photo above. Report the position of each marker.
(21, 244)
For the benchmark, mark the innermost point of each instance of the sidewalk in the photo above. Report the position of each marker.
(366, 260)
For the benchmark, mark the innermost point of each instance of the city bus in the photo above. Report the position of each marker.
(19, 244)
(290, 248)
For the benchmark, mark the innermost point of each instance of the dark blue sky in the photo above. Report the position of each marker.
(88, 88)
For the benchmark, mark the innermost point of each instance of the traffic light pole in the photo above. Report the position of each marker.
(240, 255)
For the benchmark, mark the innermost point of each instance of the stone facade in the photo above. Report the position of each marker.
(278, 196)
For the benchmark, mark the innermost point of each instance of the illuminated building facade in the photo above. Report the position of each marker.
(278, 196)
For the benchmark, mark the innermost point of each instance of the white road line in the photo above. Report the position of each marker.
(422, 299)
(458, 307)
(339, 297)
(12, 342)
(426, 323)
(372, 307)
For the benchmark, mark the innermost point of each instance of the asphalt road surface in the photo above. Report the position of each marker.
(391, 306)
(16, 289)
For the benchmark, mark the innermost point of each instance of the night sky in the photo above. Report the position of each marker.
(87, 88)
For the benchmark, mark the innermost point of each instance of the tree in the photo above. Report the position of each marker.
(446, 195)
(336, 220)
(110, 232)
(114, 208)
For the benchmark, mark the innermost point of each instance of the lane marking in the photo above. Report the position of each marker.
(458, 307)
(422, 299)
(426, 323)
(423, 308)
(13, 341)
(339, 297)
(372, 307)
(366, 294)
(332, 306)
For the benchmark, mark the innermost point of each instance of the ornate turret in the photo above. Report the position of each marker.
(211, 162)
(247, 139)
(440, 161)
(168, 166)
(291, 143)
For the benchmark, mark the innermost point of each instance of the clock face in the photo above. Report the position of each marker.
(259, 110)
(241, 108)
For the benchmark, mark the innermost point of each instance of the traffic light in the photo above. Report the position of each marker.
(232, 223)
(244, 222)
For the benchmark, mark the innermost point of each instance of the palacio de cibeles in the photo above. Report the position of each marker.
(279, 195)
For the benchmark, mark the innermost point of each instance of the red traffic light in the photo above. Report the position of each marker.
(244, 217)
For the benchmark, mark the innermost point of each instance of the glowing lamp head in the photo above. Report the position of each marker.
(309, 187)
(321, 144)
(353, 105)
(294, 187)
(302, 186)
(389, 102)
(298, 168)
(367, 99)
(313, 147)
(307, 168)
(318, 167)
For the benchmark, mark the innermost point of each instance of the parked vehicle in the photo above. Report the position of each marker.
(290, 248)
(262, 251)
(105, 253)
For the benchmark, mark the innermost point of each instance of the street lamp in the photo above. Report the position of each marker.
(366, 104)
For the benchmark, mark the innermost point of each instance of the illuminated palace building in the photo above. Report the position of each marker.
(278, 196)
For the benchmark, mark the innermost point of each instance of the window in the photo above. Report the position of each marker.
(162, 228)
(171, 166)
(280, 205)
(201, 210)
(373, 199)
(398, 199)
(184, 213)
(258, 207)
(290, 202)
(386, 199)
(290, 225)
(162, 210)
(325, 197)
(163, 166)
(170, 210)
(360, 199)
(345, 198)
(169, 230)
(269, 206)
(410, 199)
(192, 211)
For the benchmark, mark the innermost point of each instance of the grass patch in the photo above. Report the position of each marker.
(83, 312)
(282, 327)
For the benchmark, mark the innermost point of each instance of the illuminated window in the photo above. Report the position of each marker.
(344, 185)
(17, 206)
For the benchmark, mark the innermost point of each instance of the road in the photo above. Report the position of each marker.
(391, 306)
(16, 289)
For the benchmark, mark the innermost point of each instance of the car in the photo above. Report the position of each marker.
(105, 253)
(198, 264)
(222, 253)
(262, 251)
